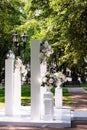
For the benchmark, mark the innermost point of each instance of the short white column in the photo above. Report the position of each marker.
(9, 68)
(58, 97)
(35, 77)
(17, 92)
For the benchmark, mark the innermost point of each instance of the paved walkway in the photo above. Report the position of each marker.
(79, 97)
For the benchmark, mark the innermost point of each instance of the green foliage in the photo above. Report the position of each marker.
(25, 90)
(63, 23)
(9, 19)
(2, 93)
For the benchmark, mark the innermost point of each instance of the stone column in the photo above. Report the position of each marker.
(9, 69)
(35, 77)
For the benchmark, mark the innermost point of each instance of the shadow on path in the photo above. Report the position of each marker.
(79, 97)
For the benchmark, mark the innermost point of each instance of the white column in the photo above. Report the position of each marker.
(35, 76)
(9, 68)
(17, 92)
(58, 97)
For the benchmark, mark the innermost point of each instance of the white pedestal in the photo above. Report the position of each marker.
(58, 97)
(35, 80)
(9, 97)
(48, 106)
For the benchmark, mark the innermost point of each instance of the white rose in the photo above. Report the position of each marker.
(51, 80)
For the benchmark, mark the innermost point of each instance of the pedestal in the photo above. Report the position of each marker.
(58, 97)
(48, 106)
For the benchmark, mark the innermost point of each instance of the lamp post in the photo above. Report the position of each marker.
(24, 39)
(15, 38)
(16, 47)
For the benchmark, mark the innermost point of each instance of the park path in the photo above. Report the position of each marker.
(79, 97)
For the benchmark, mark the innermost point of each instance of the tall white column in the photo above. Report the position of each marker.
(17, 92)
(9, 68)
(35, 76)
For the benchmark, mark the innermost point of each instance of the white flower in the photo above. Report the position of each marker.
(44, 79)
(53, 79)
(46, 51)
(19, 65)
(60, 76)
(46, 44)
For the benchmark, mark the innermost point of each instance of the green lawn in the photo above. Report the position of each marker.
(67, 100)
(81, 85)
(25, 96)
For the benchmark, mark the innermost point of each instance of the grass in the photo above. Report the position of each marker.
(85, 88)
(2, 93)
(73, 85)
(25, 96)
(67, 100)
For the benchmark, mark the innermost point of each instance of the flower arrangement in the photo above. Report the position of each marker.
(53, 79)
(45, 51)
(19, 65)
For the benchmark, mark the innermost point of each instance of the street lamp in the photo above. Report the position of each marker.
(15, 38)
(24, 39)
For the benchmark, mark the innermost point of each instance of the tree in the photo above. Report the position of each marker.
(10, 14)
(65, 26)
